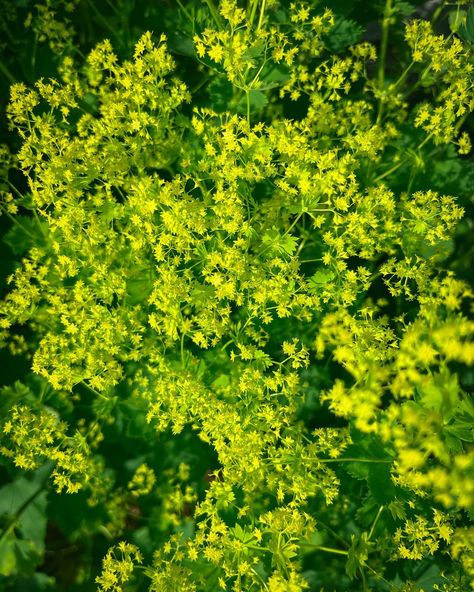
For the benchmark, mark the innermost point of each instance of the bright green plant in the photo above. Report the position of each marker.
(241, 288)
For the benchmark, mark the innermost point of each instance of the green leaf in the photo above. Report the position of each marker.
(366, 512)
(397, 510)
(438, 251)
(71, 512)
(470, 23)
(461, 426)
(288, 244)
(466, 28)
(23, 514)
(345, 32)
(441, 394)
(456, 18)
(380, 483)
(38, 582)
(461, 430)
(27, 556)
(12, 394)
(202, 295)
(351, 564)
(181, 44)
(241, 534)
(138, 290)
(278, 243)
(403, 8)
(273, 77)
(25, 234)
(220, 93)
(358, 470)
(221, 381)
(7, 556)
(132, 415)
(258, 100)
(315, 540)
(262, 359)
(358, 554)
(254, 51)
(319, 279)
(377, 472)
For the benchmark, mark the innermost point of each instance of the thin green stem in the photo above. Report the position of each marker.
(247, 98)
(262, 15)
(184, 9)
(255, 78)
(425, 141)
(295, 221)
(438, 11)
(79, 53)
(403, 75)
(35, 215)
(101, 17)
(331, 531)
(253, 11)
(326, 549)
(384, 42)
(390, 171)
(461, 121)
(38, 223)
(402, 162)
(92, 390)
(378, 575)
(366, 460)
(259, 577)
(383, 54)
(106, 532)
(374, 524)
(33, 53)
(15, 221)
(112, 6)
(15, 189)
(214, 12)
(22, 508)
(183, 365)
(6, 72)
(226, 344)
(203, 80)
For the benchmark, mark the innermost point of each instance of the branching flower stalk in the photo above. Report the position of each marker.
(238, 286)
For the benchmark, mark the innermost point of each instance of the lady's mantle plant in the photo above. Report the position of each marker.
(253, 284)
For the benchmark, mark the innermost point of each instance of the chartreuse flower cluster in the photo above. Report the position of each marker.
(271, 292)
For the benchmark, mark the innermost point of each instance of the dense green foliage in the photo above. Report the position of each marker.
(236, 323)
